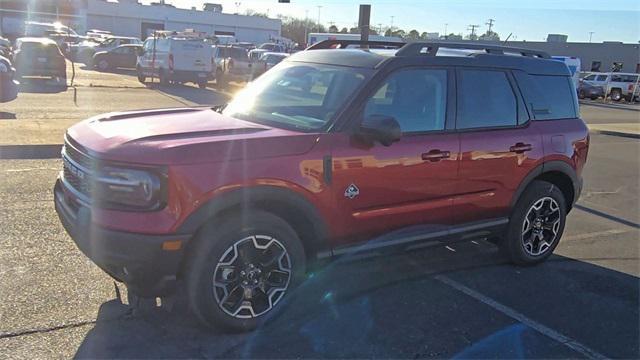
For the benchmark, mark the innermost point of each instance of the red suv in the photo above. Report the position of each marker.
(334, 150)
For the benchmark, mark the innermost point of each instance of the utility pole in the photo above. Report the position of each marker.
(590, 36)
(473, 31)
(238, 3)
(380, 29)
(319, 8)
(490, 24)
(306, 27)
(391, 27)
(445, 29)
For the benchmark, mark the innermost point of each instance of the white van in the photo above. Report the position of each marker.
(574, 64)
(176, 58)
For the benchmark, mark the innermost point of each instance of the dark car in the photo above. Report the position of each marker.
(387, 149)
(124, 56)
(267, 61)
(586, 90)
(39, 57)
(8, 85)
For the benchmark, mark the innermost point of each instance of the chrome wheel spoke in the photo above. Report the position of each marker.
(251, 276)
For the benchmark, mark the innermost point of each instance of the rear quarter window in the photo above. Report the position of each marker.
(548, 97)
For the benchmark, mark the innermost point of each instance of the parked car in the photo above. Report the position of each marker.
(42, 29)
(389, 149)
(232, 64)
(256, 54)
(266, 62)
(586, 90)
(620, 85)
(84, 51)
(124, 56)
(176, 57)
(8, 84)
(272, 47)
(40, 57)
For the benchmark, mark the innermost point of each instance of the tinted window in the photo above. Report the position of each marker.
(601, 78)
(485, 99)
(417, 99)
(548, 97)
(590, 77)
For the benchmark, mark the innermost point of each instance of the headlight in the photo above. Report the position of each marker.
(129, 188)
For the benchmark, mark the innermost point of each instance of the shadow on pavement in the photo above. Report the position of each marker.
(193, 94)
(395, 307)
(41, 86)
(7, 115)
(120, 71)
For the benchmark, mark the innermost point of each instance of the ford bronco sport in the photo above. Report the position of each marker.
(387, 148)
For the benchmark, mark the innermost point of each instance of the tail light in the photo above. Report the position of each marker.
(171, 62)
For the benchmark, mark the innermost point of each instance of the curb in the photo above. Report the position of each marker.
(610, 106)
(26, 152)
(616, 133)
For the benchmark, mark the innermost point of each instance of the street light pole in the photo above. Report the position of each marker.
(319, 8)
(590, 36)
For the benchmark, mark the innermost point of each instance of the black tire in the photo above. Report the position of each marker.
(141, 76)
(513, 245)
(215, 241)
(103, 65)
(616, 95)
(164, 80)
(594, 97)
(202, 84)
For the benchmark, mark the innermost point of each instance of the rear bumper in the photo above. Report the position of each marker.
(193, 76)
(138, 260)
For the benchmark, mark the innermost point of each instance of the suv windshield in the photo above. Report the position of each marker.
(298, 96)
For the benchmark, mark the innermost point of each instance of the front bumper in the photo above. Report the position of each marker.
(138, 260)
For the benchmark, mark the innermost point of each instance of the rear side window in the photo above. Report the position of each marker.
(601, 78)
(485, 99)
(548, 97)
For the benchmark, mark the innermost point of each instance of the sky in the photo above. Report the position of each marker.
(524, 19)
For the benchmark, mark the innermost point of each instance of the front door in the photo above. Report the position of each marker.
(382, 188)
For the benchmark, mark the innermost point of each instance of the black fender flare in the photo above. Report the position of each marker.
(555, 166)
(313, 231)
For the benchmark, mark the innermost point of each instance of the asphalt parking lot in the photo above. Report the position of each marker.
(458, 300)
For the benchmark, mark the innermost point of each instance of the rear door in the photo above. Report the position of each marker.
(383, 188)
(498, 145)
(191, 55)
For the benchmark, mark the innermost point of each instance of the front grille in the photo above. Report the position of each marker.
(77, 170)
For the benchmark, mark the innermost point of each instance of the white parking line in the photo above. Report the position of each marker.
(567, 341)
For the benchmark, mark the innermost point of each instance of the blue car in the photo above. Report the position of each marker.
(8, 85)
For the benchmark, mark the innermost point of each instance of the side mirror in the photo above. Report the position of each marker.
(382, 128)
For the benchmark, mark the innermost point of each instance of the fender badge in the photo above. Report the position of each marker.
(352, 191)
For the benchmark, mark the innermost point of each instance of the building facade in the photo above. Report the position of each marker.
(129, 18)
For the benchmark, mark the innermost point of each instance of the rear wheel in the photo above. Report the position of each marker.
(616, 95)
(202, 84)
(103, 65)
(536, 225)
(141, 76)
(241, 270)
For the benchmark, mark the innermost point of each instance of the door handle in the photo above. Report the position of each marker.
(520, 148)
(436, 155)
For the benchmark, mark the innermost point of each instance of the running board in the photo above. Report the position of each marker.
(463, 232)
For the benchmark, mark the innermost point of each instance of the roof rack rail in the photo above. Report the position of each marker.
(416, 48)
(331, 44)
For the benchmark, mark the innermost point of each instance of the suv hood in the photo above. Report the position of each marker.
(182, 136)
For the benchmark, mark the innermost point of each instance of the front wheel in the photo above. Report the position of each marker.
(103, 65)
(141, 76)
(536, 225)
(242, 268)
(616, 95)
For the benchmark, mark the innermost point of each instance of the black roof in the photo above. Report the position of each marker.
(433, 53)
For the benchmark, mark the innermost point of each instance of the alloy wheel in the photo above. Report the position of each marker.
(252, 276)
(540, 226)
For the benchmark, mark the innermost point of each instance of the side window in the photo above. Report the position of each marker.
(417, 99)
(549, 97)
(485, 99)
(601, 78)
(590, 77)
(148, 45)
